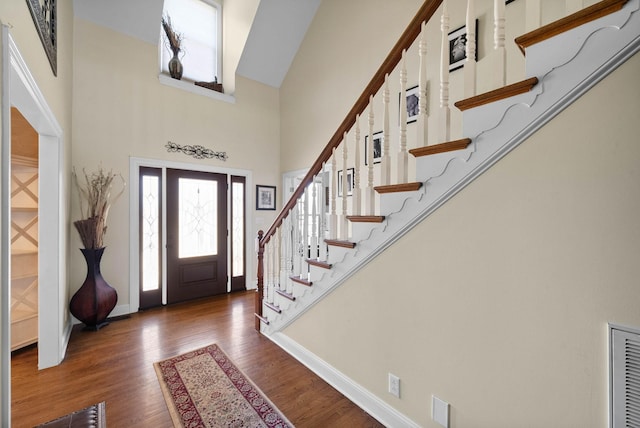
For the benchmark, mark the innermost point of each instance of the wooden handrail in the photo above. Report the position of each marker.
(407, 38)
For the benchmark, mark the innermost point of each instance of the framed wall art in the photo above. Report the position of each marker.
(44, 17)
(350, 173)
(458, 46)
(265, 197)
(377, 148)
(413, 104)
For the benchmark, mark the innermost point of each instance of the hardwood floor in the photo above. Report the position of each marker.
(115, 365)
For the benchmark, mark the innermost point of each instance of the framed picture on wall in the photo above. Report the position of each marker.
(458, 47)
(413, 104)
(350, 172)
(377, 148)
(43, 13)
(265, 197)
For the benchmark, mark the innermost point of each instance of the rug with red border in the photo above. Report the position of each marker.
(204, 388)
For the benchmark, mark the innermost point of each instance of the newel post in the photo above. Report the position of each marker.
(260, 289)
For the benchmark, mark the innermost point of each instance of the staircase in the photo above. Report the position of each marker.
(300, 262)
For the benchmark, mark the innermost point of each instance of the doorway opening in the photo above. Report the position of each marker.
(24, 232)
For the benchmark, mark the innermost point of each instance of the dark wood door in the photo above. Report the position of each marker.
(196, 234)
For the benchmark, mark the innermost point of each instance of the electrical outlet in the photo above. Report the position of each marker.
(394, 385)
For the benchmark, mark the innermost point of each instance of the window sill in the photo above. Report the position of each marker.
(198, 90)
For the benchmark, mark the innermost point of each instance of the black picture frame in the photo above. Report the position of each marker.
(265, 198)
(457, 47)
(413, 104)
(377, 148)
(43, 13)
(509, 1)
(350, 176)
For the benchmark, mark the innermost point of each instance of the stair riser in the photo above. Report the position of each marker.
(488, 116)
(393, 202)
(336, 254)
(434, 165)
(361, 231)
(317, 273)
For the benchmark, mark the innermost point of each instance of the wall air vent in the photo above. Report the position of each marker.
(625, 377)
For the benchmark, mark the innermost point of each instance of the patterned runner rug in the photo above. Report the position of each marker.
(203, 388)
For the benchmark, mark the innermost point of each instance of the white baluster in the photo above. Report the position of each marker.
(403, 156)
(533, 15)
(305, 234)
(500, 52)
(385, 163)
(369, 193)
(265, 274)
(470, 61)
(283, 254)
(269, 272)
(277, 256)
(290, 249)
(333, 218)
(423, 115)
(445, 112)
(357, 193)
(343, 217)
(314, 220)
(274, 267)
(297, 240)
(323, 216)
(573, 6)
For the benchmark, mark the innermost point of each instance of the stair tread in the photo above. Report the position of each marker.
(441, 148)
(497, 94)
(286, 295)
(261, 318)
(366, 218)
(319, 263)
(395, 188)
(273, 307)
(567, 23)
(340, 243)
(301, 280)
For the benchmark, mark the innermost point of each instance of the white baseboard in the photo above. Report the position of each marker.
(362, 397)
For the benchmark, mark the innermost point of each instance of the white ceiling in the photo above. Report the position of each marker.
(274, 39)
(275, 36)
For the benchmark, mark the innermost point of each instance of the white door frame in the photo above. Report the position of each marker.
(19, 89)
(134, 248)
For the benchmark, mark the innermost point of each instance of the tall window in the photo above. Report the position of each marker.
(200, 23)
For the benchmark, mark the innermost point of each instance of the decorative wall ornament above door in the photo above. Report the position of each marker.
(44, 17)
(197, 151)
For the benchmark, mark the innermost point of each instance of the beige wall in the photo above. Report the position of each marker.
(121, 111)
(499, 302)
(344, 46)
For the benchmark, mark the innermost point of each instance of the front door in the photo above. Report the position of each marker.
(196, 234)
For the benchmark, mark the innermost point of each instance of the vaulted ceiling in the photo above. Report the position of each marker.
(273, 40)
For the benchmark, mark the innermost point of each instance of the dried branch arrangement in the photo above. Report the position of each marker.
(96, 192)
(174, 39)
